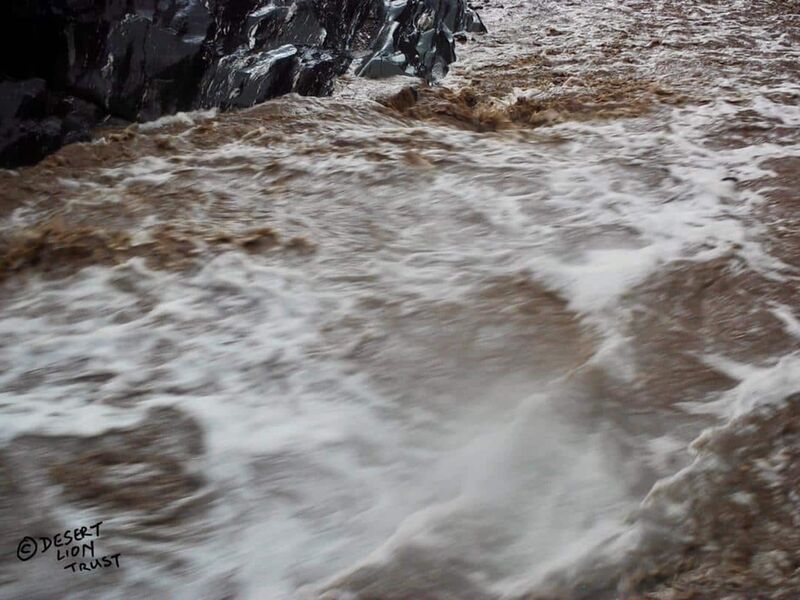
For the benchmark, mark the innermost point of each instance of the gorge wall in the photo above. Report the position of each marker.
(67, 65)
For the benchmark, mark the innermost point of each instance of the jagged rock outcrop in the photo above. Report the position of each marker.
(67, 64)
(417, 38)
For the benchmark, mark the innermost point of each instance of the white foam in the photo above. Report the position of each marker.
(321, 466)
(180, 118)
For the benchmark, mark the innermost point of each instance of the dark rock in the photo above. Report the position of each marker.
(243, 79)
(417, 38)
(35, 122)
(67, 64)
(317, 71)
(23, 100)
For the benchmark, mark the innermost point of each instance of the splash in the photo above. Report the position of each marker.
(426, 341)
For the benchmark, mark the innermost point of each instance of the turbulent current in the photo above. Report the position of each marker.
(531, 331)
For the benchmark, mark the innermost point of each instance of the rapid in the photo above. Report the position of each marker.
(514, 334)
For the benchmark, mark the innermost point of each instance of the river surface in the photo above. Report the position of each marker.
(433, 344)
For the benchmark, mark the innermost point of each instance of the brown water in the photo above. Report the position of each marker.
(439, 343)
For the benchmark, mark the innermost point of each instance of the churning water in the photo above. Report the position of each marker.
(434, 344)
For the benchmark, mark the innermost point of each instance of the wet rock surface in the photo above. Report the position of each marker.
(417, 38)
(68, 65)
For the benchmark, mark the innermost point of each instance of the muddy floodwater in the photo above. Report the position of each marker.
(531, 331)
